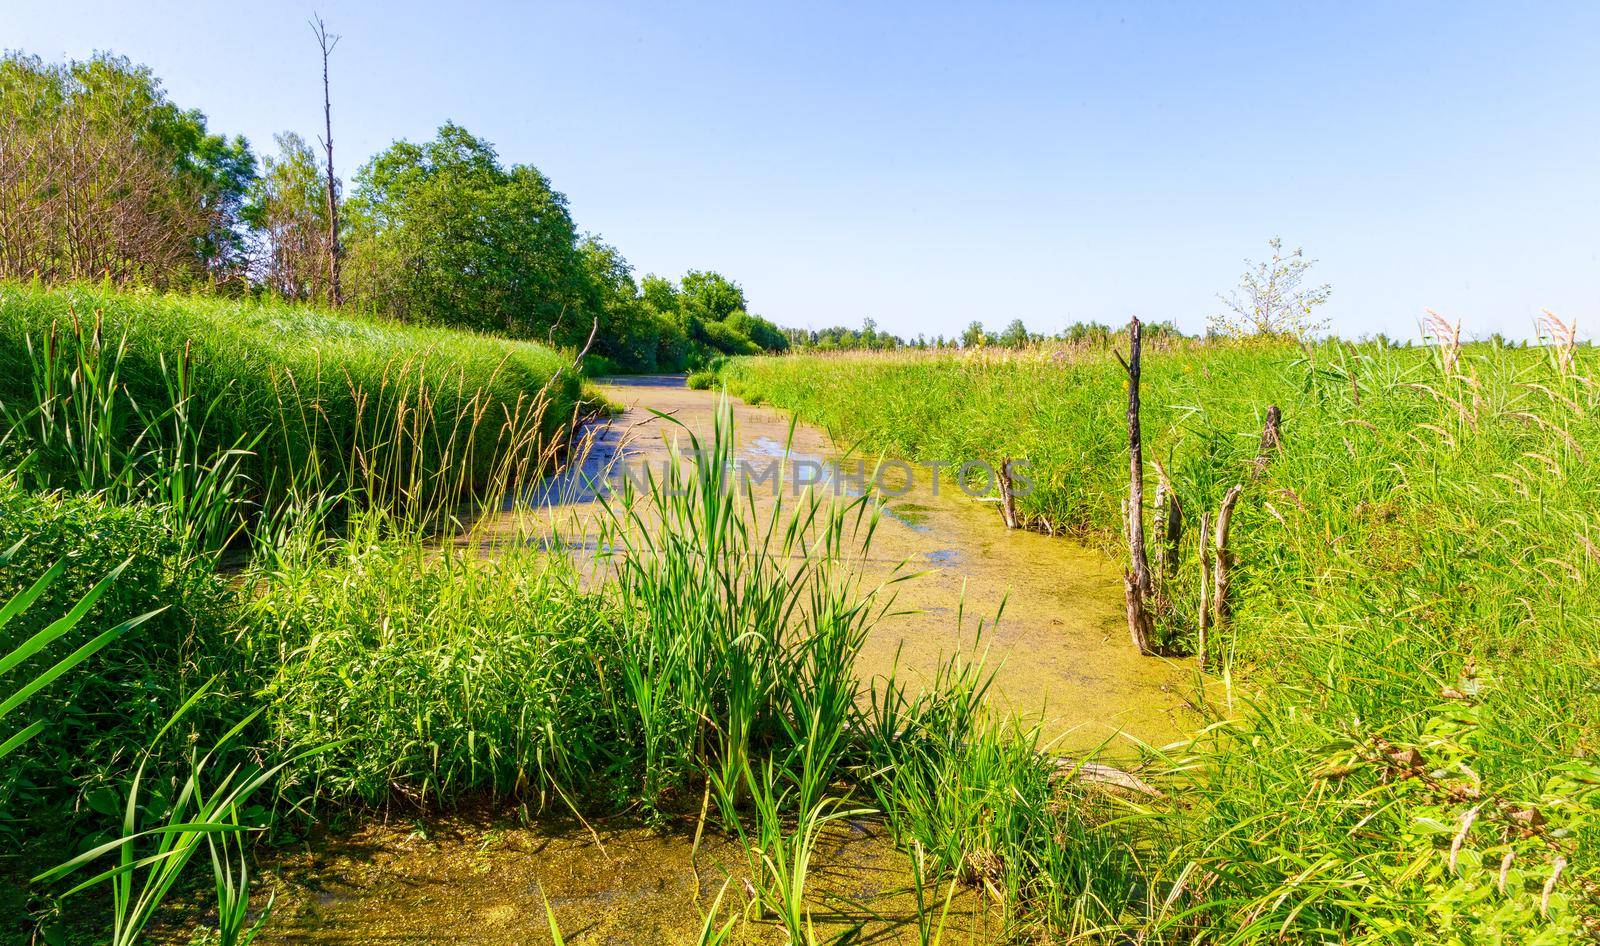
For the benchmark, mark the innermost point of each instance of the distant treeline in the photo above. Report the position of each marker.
(103, 178)
(1014, 335)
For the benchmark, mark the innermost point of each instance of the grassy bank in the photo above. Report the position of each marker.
(101, 387)
(1401, 746)
(145, 436)
(1413, 648)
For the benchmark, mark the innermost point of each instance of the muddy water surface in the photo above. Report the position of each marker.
(1061, 657)
(1060, 649)
(483, 879)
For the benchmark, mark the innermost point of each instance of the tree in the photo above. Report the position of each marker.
(1270, 299)
(767, 336)
(711, 296)
(441, 232)
(1015, 335)
(101, 176)
(629, 331)
(333, 249)
(974, 336)
(288, 210)
(660, 293)
(711, 313)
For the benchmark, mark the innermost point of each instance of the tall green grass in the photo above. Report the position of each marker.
(153, 431)
(1401, 736)
(104, 389)
(1414, 634)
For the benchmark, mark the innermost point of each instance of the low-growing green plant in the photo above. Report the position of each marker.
(16, 692)
(790, 814)
(102, 716)
(976, 798)
(437, 673)
(160, 835)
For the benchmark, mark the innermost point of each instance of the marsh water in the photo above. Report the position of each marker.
(1059, 652)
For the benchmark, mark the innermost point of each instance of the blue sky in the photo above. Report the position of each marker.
(927, 164)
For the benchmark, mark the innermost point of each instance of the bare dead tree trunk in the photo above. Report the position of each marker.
(1137, 586)
(1203, 621)
(1008, 499)
(1223, 566)
(1271, 441)
(335, 250)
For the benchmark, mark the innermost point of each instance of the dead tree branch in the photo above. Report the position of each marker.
(1168, 527)
(335, 251)
(1271, 442)
(1008, 498)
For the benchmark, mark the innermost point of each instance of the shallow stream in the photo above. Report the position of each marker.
(1060, 654)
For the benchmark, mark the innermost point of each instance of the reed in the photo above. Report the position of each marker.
(1410, 611)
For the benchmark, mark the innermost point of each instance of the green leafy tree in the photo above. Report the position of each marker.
(630, 331)
(839, 337)
(288, 209)
(661, 294)
(442, 233)
(101, 176)
(711, 296)
(974, 336)
(709, 313)
(765, 335)
(1015, 335)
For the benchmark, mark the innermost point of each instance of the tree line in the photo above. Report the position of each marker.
(102, 177)
(1015, 335)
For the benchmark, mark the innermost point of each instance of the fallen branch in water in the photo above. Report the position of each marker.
(1102, 774)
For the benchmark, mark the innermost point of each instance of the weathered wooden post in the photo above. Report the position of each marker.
(1008, 498)
(1137, 586)
(1223, 565)
(1271, 441)
(1167, 520)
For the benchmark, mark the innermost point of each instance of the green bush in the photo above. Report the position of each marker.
(436, 676)
(105, 710)
(598, 366)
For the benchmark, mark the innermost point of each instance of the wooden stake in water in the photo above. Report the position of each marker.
(1223, 566)
(1136, 581)
(1008, 498)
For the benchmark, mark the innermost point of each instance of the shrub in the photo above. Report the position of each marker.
(434, 676)
(107, 709)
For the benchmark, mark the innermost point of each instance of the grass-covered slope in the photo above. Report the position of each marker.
(313, 394)
(1417, 626)
(142, 433)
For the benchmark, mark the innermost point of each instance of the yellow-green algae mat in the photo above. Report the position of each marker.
(482, 880)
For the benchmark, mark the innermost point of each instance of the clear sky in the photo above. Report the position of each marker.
(927, 164)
